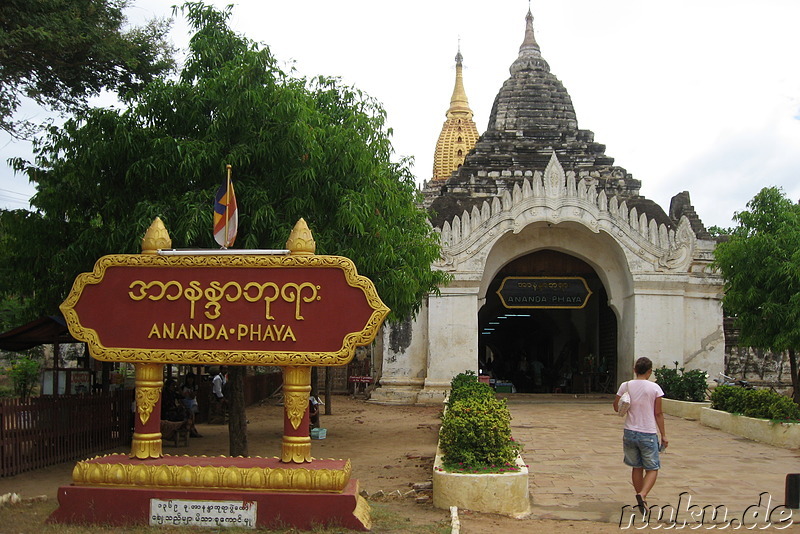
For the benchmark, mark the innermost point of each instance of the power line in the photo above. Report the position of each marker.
(24, 195)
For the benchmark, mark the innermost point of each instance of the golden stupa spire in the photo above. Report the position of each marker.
(459, 132)
(459, 105)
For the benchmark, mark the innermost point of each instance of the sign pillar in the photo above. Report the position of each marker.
(296, 444)
(167, 306)
(146, 442)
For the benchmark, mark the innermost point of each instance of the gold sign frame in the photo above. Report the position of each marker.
(225, 357)
(536, 307)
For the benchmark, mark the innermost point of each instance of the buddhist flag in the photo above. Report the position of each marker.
(226, 214)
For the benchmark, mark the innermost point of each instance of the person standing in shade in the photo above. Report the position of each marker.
(189, 398)
(645, 420)
(217, 409)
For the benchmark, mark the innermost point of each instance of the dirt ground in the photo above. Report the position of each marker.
(391, 449)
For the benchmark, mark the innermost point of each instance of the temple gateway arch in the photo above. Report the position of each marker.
(563, 272)
(652, 293)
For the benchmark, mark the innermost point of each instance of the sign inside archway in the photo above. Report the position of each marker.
(559, 292)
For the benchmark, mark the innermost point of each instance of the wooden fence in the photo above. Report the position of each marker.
(42, 431)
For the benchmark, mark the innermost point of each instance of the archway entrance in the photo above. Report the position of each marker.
(548, 349)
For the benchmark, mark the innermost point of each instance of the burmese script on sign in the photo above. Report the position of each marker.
(544, 292)
(210, 300)
(241, 514)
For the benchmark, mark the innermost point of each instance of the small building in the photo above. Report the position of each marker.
(563, 273)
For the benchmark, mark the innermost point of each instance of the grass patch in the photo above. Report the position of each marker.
(480, 469)
(29, 518)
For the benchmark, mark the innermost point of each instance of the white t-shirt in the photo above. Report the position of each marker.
(216, 386)
(641, 415)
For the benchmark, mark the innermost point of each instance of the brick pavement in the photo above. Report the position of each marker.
(574, 449)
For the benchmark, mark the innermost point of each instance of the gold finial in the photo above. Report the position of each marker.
(300, 240)
(156, 238)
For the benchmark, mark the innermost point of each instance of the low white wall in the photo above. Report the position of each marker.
(684, 409)
(784, 435)
(495, 493)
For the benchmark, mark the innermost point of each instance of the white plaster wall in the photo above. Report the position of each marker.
(704, 342)
(405, 360)
(675, 323)
(452, 335)
(659, 326)
(626, 330)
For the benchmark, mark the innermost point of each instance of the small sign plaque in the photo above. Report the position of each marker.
(241, 514)
(544, 292)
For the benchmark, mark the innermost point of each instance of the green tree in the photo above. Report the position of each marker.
(60, 52)
(760, 262)
(299, 148)
(24, 374)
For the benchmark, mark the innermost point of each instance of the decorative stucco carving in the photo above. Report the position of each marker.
(554, 197)
(681, 248)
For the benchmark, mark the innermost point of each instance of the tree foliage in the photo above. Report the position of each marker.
(760, 262)
(59, 52)
(299, 148)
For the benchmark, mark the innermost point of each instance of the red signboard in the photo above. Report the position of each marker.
(237, 309)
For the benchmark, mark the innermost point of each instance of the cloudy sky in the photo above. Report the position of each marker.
(688, 95)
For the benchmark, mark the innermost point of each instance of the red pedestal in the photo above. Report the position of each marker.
(118, 505)
(131, 506)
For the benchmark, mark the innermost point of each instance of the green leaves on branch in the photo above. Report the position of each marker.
(760, 262)
(59, 53)
(298, 148)
(682, 385)
(24, 374)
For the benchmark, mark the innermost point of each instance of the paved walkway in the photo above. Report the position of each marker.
(574, 450)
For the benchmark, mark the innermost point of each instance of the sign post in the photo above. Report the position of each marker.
(289, 308)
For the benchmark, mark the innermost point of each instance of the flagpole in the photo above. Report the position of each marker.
(227, 206)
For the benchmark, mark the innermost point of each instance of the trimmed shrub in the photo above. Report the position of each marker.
(784, 409)
(761, 403)
(463, 380)
(476, 429)
(682, 385)
(724, 397)
(465, 385)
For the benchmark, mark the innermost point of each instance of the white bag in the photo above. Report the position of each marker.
(624, 403)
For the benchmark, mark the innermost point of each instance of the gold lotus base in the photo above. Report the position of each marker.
(214, 473)
(146, 446)
(296, 449)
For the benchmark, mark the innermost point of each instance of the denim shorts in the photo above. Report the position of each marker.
(641, 450)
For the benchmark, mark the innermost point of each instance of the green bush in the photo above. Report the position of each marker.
(476, 434)
(476, 429)
(784, 409)
(724, 397)
(24, 374)
(463, 379)
(757, 402)
(682, 385)
(761, 403)
(466, 385)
